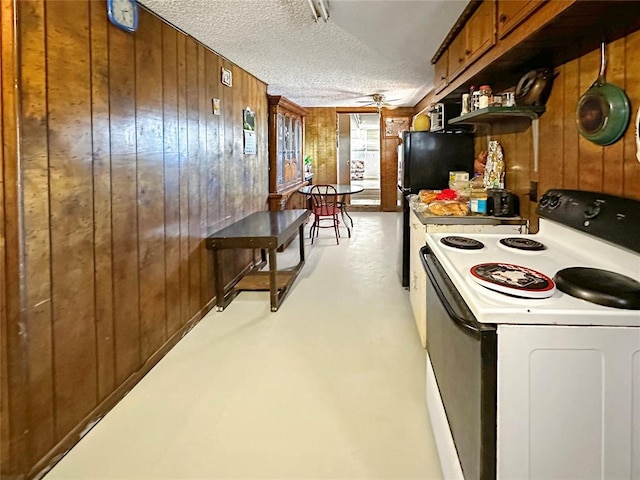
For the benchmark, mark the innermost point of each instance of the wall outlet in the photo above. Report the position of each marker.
(533, 192)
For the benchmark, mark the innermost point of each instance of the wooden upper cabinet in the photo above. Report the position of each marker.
(457, 55)
(440, 73)
(476, 37)
(481, 31)
(512, 13)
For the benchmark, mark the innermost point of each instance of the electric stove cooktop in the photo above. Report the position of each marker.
(553, 249)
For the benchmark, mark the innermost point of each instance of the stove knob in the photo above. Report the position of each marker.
(544, 200)
(592, 211)
(554, 201)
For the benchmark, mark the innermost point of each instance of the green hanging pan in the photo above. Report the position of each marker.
(603, 111)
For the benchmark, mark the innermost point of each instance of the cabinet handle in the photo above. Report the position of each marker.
(442, 77)
(461, 59)
(467, 52)
(503, 18)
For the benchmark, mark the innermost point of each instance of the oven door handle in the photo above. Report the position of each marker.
(469, 325)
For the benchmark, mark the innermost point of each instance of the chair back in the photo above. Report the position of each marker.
(324, 200)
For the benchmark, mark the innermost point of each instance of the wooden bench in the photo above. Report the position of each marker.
(267, 231)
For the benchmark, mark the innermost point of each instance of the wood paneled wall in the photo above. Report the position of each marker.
(389, 161)
(122, 172)
(566, 159)
(9, 288)
(321, 143)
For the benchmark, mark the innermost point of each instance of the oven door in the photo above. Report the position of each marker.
(462, 352)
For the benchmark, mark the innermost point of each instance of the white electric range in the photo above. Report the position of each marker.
(534, 355)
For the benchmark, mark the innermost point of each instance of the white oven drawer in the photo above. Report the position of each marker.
(568, 402)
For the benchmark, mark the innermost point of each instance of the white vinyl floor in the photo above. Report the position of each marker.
(332, 386)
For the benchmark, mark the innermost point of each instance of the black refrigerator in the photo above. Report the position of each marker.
(424, 162)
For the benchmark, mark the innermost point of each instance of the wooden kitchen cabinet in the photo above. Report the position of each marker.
(286, 166)
(512, 13)
(457, 56)
(418, 276)
(440, 72)
(476, 37)
(481, 31)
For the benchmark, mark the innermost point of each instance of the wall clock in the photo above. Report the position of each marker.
(123, 14)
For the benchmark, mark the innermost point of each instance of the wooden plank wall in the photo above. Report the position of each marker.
(567, 160)
(11, 353)
(321, 144)
(320, 141)
(389, 160)
(123, 170)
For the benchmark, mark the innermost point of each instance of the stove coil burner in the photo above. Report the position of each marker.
(463, 243)
(601, 287)
(521, 243)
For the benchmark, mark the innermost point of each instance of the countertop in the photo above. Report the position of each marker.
(429, 219)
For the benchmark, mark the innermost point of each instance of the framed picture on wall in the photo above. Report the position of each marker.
(215, 106)
(393, 126)
(226, 77)
(249, 127)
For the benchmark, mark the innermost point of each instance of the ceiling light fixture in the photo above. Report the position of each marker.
(379, 101)
(319, 9)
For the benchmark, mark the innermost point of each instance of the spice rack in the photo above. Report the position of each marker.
(490, 115)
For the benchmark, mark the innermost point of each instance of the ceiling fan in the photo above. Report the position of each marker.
(379, 101)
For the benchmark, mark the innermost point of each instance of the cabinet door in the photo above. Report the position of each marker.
(297, 154)
(440, 72)
(288, 142)
(418, 277)
(480, 31)
(280, 151)
(457, 57)
(512, 13)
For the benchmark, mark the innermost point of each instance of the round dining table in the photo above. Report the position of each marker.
(342, 190)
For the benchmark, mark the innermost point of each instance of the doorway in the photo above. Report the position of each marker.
(359, 157)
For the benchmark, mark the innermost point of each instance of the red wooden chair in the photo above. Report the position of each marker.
(325, 206)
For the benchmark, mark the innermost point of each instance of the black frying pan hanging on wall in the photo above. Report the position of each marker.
(603, 111)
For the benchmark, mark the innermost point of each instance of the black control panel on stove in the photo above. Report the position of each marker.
(611, 218)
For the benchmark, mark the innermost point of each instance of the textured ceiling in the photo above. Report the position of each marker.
(366, 47)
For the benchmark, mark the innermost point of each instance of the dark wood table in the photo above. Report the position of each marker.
(342, 190)
(266, 231)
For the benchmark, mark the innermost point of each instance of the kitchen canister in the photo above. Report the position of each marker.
(465, 104)
(509, 99)
(485, 96)
(475, 100)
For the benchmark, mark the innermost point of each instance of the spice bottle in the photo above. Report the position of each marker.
(485, 96)
(475, 100)
(478, 196)
(465, 104)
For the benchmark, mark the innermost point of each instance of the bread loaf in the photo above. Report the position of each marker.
(458, 209)
(428, 196)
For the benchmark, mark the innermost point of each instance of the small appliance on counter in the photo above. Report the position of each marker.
(502, 203)
(441, 113)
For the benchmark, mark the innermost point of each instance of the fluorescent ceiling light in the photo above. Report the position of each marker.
(319, 9)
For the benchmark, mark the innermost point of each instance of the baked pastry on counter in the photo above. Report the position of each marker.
(428, 196)
(450, 208)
